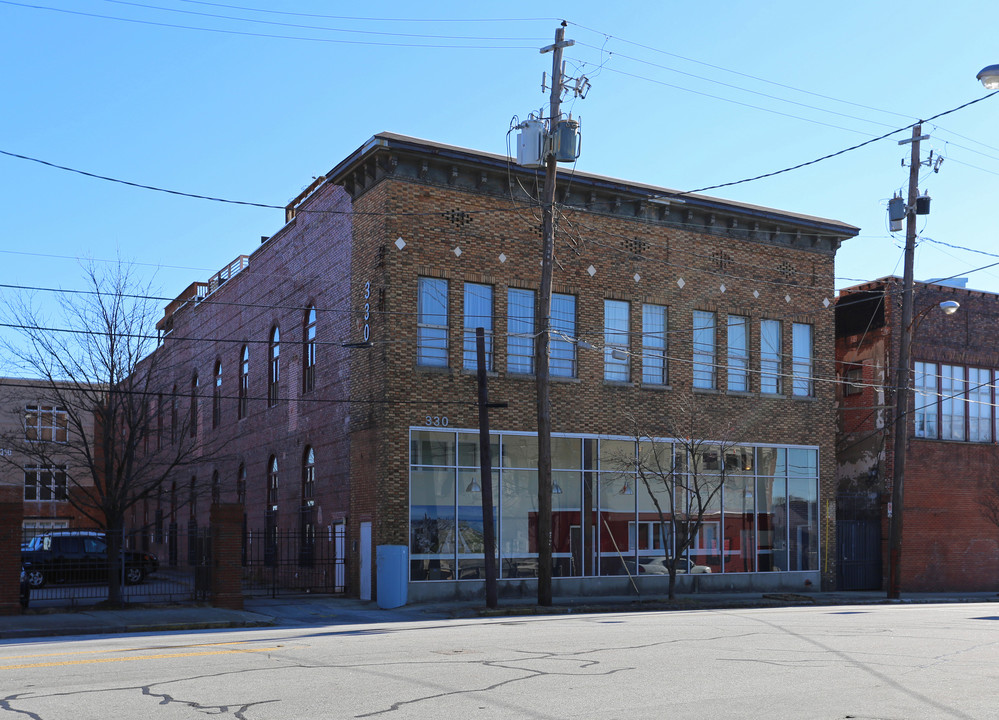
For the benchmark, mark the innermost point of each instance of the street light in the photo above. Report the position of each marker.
(948, 307)
(990, 77)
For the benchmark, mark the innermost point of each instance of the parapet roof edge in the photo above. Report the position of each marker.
(388, 140)
(888, 279)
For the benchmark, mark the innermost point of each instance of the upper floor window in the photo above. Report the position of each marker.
(244, 383)
(924, 381)
(770, 357)
(160, 409)
(274, 377)
(617, 360)
(979, 405)
(217, 396)
(272, 485)
(952, 402)
(308, 477)
(520, 331)
(802, 352)
(216, 488)
(654, 369)
(309, 351)
(738, 353)
(562, 359)
(478, 314)
(704, 349)
(45, 483)
(46, 422)
(241, 484)
(431, 323)
(174, 420)
(194, 405)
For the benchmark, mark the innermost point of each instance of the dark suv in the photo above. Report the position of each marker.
(79, 556)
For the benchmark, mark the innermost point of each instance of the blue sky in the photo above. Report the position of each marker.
(229, 100)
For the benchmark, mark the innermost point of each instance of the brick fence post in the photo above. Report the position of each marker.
(227, 570)
(11, 517)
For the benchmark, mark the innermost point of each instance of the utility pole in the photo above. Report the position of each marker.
(902, 374)
(486, 471)
(542, 350)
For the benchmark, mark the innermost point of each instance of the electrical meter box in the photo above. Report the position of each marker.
(531, 144)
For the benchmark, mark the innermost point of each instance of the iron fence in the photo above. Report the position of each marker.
(277, 561)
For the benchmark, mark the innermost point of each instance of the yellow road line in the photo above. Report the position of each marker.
(116, 650)
(138, 657)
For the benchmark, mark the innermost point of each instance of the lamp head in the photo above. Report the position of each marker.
(989, 77)
(949, 306)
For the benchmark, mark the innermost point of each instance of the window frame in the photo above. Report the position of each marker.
(432, 342)
(771, 380)
(737, 353)
(470, 359)
(520, 331)
(274, 367)
(655, 367)
(217, 395)
(243, 404)
(37, 430)
(704, 350)
(309, 350)
(617, 320)
(58, 484)
(562, 361)
(802, 366)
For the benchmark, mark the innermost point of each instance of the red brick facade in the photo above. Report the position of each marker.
(948, 543)
(400, 209)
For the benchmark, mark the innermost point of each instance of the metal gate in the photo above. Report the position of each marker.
(858, 536)
(279, 561)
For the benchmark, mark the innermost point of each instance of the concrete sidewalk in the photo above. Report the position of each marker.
(313, 611)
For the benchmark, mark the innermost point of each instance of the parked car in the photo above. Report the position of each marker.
(25, 594)
(658, 566)
(79, 556)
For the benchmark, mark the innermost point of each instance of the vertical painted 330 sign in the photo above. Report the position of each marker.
(367, 310)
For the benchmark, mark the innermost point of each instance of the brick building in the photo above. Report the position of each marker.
(32, 417)
(335, 365)
(948, 542)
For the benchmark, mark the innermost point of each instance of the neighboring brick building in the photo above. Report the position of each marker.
(332, 364)
(947, 544)
(30, 415)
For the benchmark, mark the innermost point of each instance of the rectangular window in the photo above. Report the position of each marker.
(654, 368)
(617, 361)
(520, 331)
(478, 314)
(979, 405)
(431, 330)
(562, 361)
(952, 402)
(45, 422)
(853, 380)
(925, 384)
(45, 483)
(738, 353)
(770, 365)
(704, 349)
(802, 383)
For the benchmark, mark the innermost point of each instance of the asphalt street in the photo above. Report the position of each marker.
(864, 661)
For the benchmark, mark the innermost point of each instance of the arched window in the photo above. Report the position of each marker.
(309, 351)
(308, 477)
(160, 409)
(272, 485)
(307, 519)
(241, 484)
(173, 414)
(271, 514)
(194, 405)
(217, 396)
(244, 381)
(274, 377)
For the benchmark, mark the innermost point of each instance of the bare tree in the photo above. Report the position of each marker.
(685, 466)
(91, 366)
(989, 500)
